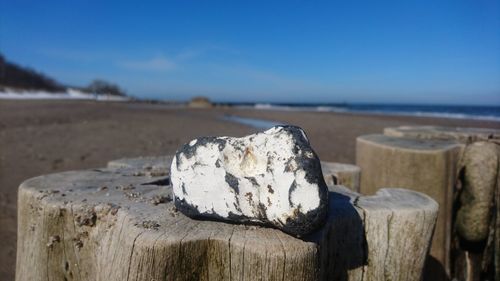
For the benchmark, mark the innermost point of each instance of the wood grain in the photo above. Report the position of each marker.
(119, 223)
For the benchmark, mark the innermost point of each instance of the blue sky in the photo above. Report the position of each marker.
(426, 52)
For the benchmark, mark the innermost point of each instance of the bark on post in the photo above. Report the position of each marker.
(120, 224)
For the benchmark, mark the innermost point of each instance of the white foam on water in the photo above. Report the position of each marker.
(339, 109)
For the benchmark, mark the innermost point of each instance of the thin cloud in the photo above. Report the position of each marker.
(193, 53)
(189, 54)
(74, 55)
(154, 64)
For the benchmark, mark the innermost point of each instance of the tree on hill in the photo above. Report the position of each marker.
(102, 87)
(15, 76)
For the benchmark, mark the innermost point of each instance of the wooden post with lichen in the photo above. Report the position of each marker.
(459, 168)
(119, 223)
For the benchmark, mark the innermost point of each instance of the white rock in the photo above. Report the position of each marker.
(272, 178)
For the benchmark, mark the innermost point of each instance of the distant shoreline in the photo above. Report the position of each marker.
(461, 112)
(482, 113)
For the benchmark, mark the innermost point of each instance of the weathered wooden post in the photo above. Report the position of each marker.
(458, 167)
(341, 174)
(119, 223)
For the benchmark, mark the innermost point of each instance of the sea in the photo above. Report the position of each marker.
(487, 113)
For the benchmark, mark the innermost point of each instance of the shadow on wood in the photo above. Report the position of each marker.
(344, 243)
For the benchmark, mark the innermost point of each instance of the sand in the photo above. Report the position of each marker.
(40, 137)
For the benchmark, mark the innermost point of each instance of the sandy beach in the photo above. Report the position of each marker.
(40, 137)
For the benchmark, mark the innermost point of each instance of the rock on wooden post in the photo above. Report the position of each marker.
(271, 178)
(120, 223)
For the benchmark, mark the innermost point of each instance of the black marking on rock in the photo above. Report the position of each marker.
(288, 165)
(232, 181)
(249, 197)
(237, 203)
(239, 145)
(178, 162)
(270, 161)
(183, 189)
(261, 211)
(302, 223)
(186, 208)
(218, 163)
(270, 189)
(190, 150)
(252, 180)
(237, 207)
(290, 191)
(311, 165)
(231, 217)
(198, 164)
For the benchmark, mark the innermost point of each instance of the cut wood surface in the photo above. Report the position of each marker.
(119, 223)
(160, 163)
(465, 135)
